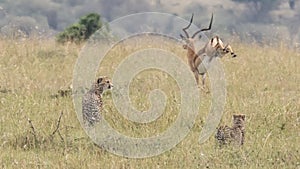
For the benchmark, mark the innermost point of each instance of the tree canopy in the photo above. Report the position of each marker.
(82, 30)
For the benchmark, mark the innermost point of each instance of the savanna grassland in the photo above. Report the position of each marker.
(35, 76)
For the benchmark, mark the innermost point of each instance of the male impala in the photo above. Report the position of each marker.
(200, 61)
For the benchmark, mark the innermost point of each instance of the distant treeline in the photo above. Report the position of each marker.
(21, 18)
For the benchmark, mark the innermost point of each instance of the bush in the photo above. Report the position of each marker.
(82, 30)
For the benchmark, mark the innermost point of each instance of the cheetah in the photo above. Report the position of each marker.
(234, 134)
(92, 101)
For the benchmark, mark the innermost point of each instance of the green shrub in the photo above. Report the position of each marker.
(82, 30)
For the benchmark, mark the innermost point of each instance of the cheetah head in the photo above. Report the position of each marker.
(104, 83)
(240, 118)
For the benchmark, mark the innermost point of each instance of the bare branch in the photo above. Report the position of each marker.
(61, 137)
(32, 129)
(58, 124)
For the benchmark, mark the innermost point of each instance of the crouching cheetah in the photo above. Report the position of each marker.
(92, 101)
(234, 134)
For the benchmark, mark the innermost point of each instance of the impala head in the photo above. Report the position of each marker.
(189, 40)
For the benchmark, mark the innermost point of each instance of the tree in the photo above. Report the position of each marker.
(52, 18)
(82, 30)
(292, 4)
(260, 9)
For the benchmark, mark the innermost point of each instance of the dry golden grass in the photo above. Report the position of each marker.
(262, 83)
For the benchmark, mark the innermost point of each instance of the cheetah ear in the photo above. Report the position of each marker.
(99, 80)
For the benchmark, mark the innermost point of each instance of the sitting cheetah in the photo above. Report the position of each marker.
(236, 133)
(92, 101)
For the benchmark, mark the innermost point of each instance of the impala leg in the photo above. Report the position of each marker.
(196, 77)
(197, 61)
(203, 79)
(194, 70)
(203, 83)
(229, 49)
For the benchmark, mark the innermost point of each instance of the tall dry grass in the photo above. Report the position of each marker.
(262, 83)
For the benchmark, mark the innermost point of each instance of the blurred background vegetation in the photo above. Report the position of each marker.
(82, 30)
(262, 21)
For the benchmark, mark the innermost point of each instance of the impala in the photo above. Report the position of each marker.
(199, 62)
